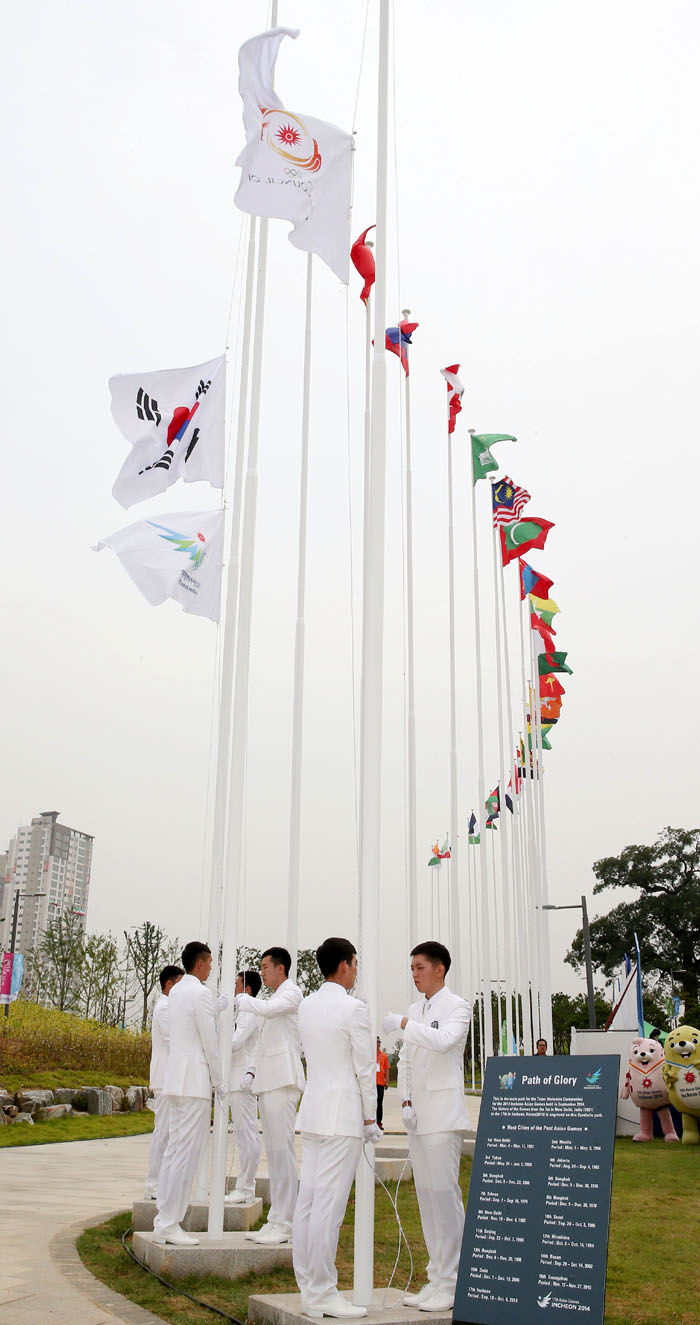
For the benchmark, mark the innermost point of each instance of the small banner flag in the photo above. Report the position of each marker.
(362, 259)
(550, 685)
(455, 391)
(508, 501)
(553, 662)
(440, 853)
(292, 167)
(544, 631)
(532, 582)
(523, 536)
(482, 460)
(176, 556)
(398, 338)
(493, 807)
(11, 976)
(473, 834)
(174, 420)
(546, 608)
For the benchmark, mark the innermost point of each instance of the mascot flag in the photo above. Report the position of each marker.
(174, 420)
(175, 556)
(293, 167)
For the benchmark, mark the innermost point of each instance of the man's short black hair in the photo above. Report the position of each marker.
(251, 980)
(280, 957)
(541, 1040)
(435, 952)
(332, 952)
(191, 952)
(169, 973)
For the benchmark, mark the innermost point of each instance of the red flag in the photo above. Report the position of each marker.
(550, 685)
(363, 260)
(455, 391)
(544, 631)
(532, 582)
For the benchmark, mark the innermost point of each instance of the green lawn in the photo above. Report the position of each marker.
(77, 1129)
(655, 1225)
(55, 1079)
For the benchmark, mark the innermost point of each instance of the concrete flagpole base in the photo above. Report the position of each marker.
(230, 1256)
(237, 1218)
(384, 1309)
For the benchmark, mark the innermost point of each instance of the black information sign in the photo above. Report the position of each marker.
(536, 1234)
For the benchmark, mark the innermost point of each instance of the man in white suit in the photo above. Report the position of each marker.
(242, 1102)
(337, 1113)
(193, 1068)
(276, 1076)
(431, 1084)
(160, 1040)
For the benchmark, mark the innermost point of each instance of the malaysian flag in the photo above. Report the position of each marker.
(508, 501)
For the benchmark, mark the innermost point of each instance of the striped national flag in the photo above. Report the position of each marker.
(508, 501)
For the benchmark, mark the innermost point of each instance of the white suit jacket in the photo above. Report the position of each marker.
(243, 1042)
(431, 1062)
(194, 1065)
(276, 1059)
(340, 1064)
(160, 1039)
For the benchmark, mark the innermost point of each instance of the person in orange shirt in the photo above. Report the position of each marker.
(382, 1082)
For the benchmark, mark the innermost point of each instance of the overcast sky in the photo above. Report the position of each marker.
(544, 232)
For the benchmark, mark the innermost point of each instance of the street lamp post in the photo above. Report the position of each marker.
(581, 906)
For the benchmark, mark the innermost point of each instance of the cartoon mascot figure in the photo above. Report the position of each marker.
(682, 1076)
(645, 1084)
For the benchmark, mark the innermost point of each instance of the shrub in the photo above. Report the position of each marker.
(36, 1039)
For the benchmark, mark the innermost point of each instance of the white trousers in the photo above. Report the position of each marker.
(435, 1161)
(189, 1123)
(244, 1115)
(278, 1113)
(159, 1139)
(328, 1165)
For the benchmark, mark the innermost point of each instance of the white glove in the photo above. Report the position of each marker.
(408, 1115)
(221, 1004)
(244, 1001)
(373, 1132)
(221, 1092)
(392, 1022)
(247, 1083)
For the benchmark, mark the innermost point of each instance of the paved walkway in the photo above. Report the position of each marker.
(51, 1192)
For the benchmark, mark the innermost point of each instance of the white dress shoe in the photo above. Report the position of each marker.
(441, 1300)
(334, 1305)
(415, 1299)
(272, 1235)
(238, 1197)
(177, 1238)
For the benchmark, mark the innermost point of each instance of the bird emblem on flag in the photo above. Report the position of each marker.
(195, 547)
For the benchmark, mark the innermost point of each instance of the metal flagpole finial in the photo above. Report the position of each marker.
(471, 431)
(405, 312)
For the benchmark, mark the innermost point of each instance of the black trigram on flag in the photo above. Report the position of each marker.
(202, 388)
(147, 407)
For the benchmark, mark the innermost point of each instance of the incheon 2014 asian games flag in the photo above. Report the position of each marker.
(174, 420)
(175, 556)
(293, 167)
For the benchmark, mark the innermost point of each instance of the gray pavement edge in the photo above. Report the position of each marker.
(64, 1254)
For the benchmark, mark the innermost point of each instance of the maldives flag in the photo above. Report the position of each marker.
(396, 340)
(362, 259)
(553, 662)
(455, 391)
(523, 536)
(532, 582)
(550, 685)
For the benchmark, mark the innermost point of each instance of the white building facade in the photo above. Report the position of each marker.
(47, 866)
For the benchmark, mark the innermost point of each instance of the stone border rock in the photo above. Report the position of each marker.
(65, 1256)
(98, 1100)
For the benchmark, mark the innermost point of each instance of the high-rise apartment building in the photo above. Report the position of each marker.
(48, 865)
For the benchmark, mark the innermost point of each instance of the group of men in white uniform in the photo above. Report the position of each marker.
(337, 1113)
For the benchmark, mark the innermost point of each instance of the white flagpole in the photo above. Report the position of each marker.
(487, 1036)
(546, 964)
(505, 867)
(453, 893)
(298, 701)
(531, 902)
(410, 680)
(373, 673)
(471, 921)
(365, 511)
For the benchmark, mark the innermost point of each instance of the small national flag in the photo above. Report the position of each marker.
(295, 168)
(523, 536)
(174, 419)
(508, 501)
(532, 582)
(493, 806)
(482, 460)
(546, 608)
(545, 632)
(473, 834)
(440, 853)
(553, 662)
(176, 556)
(455, 391)
(362, 259)
(550, 708)
(550, 685)
(397, 338)
(515, 778)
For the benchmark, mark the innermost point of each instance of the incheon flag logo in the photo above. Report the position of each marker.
(290, 138)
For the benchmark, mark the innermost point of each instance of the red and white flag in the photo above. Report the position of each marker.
(455, 391)
(363, 261)
(293, 167)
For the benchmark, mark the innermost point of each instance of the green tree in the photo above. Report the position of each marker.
(309, 975)
(665, 915)
(100, 978)
(147, 949)
(56, 963)
(568, 1012)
